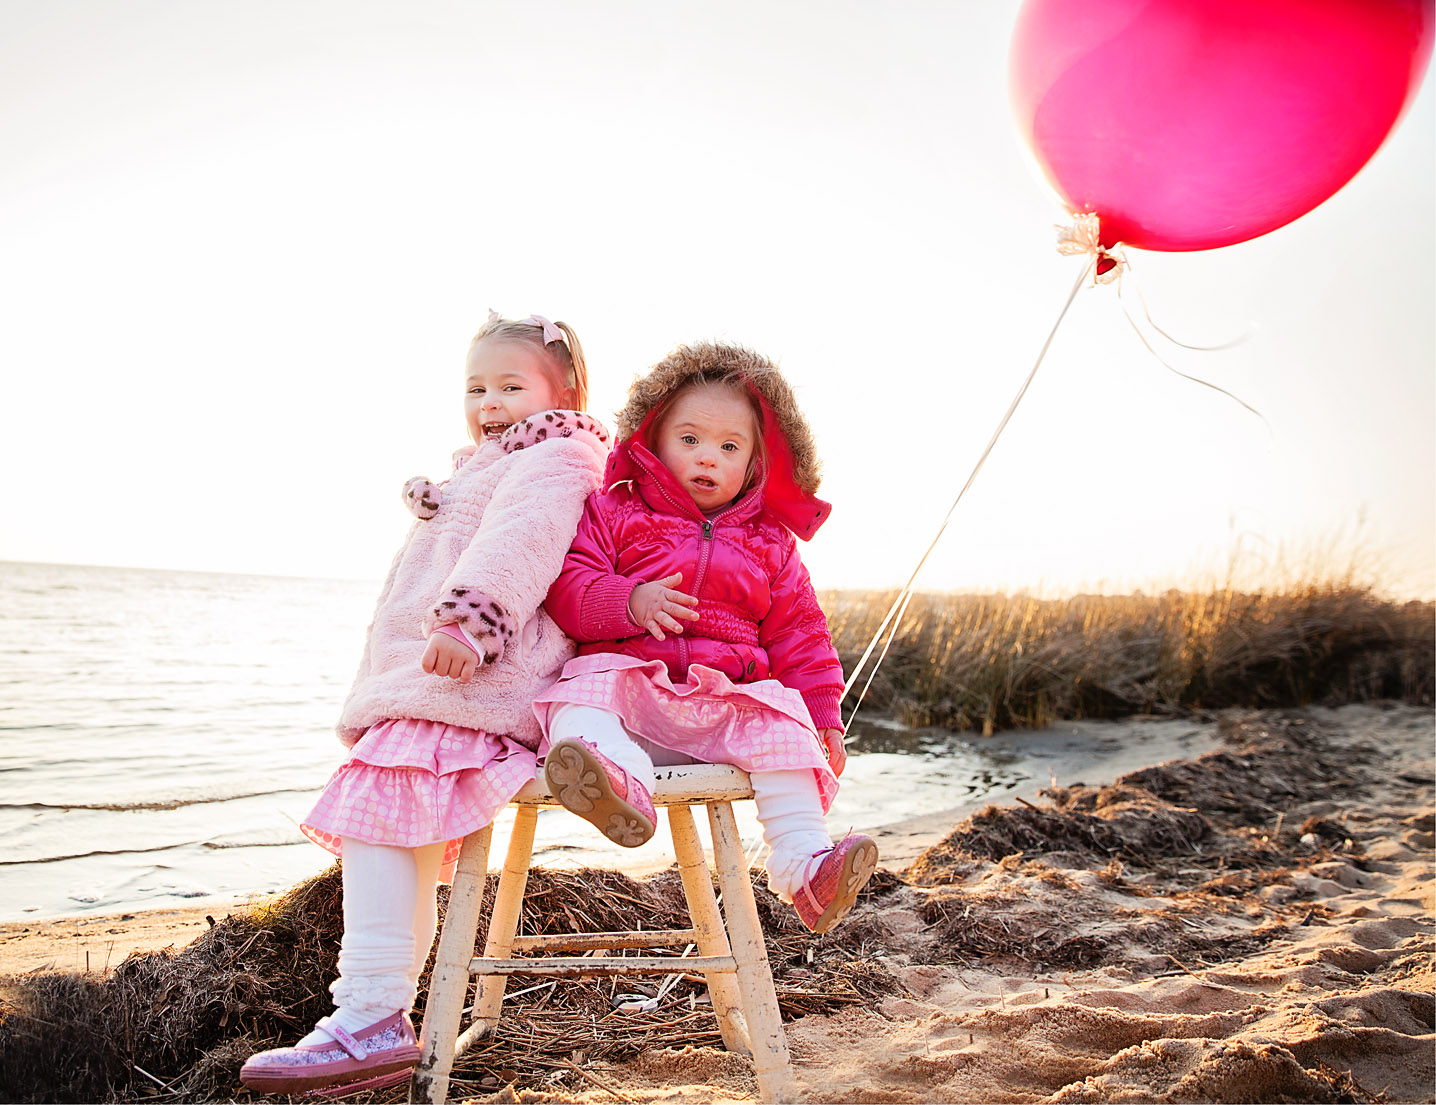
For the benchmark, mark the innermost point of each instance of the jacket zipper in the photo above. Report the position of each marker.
(705, 553)
(702, 560)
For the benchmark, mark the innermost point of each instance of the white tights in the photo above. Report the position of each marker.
(789, 808)
(390, 916)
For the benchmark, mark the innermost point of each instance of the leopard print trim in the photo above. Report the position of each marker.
(547, 424)
(486, 621)
(422, 498)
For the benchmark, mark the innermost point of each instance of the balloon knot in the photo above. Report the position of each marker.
(1084, 235)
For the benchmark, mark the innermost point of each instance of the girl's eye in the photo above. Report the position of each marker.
(513, 387)
(476, 391)
(688, 439)
(729, 447)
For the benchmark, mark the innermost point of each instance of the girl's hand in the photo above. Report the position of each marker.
(657, 606)
(837, 751)
(447, 657)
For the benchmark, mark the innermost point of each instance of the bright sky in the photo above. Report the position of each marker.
(243, 248)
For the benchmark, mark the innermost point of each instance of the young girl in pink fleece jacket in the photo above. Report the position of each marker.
(440, 720)
(701, 637)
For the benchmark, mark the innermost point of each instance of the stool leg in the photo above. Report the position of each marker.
(712, 939)
(755, 978)
(449, 984)
(503, 925)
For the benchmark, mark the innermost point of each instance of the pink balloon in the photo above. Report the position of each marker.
(1193, 124)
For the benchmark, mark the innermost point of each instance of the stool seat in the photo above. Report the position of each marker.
(731, 957)
(680, 785)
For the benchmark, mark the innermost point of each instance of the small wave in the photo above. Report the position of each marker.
(100, 852)
(167, 804)
(213, 845)
(220, 846)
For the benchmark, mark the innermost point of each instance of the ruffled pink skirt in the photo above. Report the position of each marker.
(762, 726)
(409, 783)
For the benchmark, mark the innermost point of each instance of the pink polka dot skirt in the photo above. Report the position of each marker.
(762, 726)
(408, 783)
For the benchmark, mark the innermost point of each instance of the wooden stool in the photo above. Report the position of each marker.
(733, 961)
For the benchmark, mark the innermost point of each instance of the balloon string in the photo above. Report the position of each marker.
(899, 606)
(1238, 340)
(1162, 361)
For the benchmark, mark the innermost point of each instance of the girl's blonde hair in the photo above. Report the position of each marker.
(569, 370)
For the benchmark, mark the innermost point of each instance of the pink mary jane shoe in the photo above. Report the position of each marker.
(828, 893)
(591, 785)
(381, 1055)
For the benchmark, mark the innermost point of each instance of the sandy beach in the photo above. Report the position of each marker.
(1254, 923)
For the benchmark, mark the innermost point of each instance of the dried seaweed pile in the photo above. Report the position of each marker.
(257, 975)
(562, 1023)
(1225, 810)
(1194, 838)
(178, 1025)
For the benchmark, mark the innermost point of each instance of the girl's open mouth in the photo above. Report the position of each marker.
(703, 483)
(495, 429)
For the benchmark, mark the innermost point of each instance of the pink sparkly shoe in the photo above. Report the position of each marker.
(383, 1054)
(828, 893)
(591, 785)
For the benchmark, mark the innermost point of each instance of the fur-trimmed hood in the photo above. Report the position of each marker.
(793, 472)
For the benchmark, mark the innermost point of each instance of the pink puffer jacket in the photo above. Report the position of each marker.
(758, 615)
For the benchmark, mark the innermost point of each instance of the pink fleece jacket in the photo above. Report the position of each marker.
(487, 544)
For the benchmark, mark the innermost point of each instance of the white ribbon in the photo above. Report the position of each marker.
(1084, 235)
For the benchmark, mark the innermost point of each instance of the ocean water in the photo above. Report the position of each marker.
(163, 733)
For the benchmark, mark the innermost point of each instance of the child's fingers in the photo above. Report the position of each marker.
(672, 581)
(684, 611)
(466, 671)
(680, 598)
(652, 626)
(667, 622)
(430, 659)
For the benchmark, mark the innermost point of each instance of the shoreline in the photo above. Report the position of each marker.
(893, 774)
(1065, 752)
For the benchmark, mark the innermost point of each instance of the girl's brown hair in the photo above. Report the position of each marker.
(566, 357)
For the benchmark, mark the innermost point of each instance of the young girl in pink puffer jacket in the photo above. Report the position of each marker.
(700, 635)
(440, 720)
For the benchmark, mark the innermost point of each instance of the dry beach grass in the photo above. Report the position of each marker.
(990, 662)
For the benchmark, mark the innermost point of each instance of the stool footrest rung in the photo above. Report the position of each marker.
(583, 941)
(604, 965)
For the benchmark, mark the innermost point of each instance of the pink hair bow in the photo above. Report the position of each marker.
(550, 331)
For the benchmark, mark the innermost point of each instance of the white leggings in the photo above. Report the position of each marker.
(390, 916)
(789, 808)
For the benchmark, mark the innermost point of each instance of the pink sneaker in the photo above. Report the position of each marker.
(381, 1055)
(828, 893)
(591, 785)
